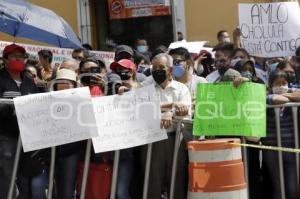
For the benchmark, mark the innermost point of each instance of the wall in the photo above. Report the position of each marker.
(204, 18)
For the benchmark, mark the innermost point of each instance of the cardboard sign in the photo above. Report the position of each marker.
(127, 121)
(270, 29)
(55, 118)
(222, 109)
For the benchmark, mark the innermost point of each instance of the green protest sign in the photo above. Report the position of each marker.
(222, 109)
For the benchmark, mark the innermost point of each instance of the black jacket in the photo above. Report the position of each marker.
(9, 90)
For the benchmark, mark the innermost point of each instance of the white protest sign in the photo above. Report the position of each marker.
(55, 118)
(270, 29)
(192, 47)
(127, 121)
(60, 54)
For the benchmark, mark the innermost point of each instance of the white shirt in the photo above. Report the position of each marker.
(175, 92)
(213, 77)
(195, 80)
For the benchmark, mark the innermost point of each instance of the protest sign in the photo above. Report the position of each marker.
(192, 47)
(222, 109)
(270, 29)
(60, 54)
(127, 121)
(55, 118)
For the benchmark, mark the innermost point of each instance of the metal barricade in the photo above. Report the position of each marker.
(180, 124)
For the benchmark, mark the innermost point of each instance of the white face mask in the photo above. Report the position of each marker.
(226, 40)
(280, 89)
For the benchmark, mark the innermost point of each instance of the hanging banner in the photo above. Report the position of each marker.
(60, 54)
(270, 29)
(123, 9)
(222, 109)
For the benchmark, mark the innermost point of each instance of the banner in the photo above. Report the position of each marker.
(60, 54)
(270, 29)
(123, 9)
(128, 120)
(55, 118)
(222, 109)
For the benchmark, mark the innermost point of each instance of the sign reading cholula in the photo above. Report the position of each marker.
(270, 29)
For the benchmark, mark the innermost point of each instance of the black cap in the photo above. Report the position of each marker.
(124, 48)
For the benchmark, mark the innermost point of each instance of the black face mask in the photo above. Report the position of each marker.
(291, 78)
(124, 75)
(86, 80)
(159, 76)
(221, 66)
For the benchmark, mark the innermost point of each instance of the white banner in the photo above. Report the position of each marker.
(270, 29)
(127, 121)
(60, 54)
(55, 118)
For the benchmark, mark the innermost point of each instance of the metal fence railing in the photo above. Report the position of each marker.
(181, 123)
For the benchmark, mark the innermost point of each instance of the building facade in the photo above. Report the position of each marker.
(92, 20)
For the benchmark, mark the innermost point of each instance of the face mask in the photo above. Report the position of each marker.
(86, 80)
(234, 61)
(247, 74)
(178, 71)
(226, 40)
(142, 68)
(291, 78)
(124, 75)
(159, 76)
(280, 89)
(15, 66)
(221, 66)
(142, 48)
(272, 67)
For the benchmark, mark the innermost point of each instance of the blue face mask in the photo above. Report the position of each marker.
(272, 67)
(178, 71)
(142, 48)
(247, 74)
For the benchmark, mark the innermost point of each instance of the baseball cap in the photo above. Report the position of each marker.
(13, 48)
(124, 48)
(66, 74)
(123, 63)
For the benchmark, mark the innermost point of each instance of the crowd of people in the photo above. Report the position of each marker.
(175, 73)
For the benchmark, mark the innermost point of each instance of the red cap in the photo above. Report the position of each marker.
(123, 63)
(13, 48)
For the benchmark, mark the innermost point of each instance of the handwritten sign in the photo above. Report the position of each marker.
(55, 118)
(270, 29)
(60, 54)
(222, 109)
(129, 120)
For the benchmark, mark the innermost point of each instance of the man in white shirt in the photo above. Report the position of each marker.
(183, 69)
(175, 100)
